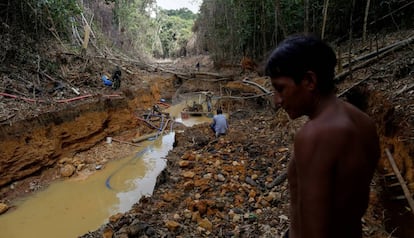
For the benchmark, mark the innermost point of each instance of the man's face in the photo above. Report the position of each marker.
(290, 96)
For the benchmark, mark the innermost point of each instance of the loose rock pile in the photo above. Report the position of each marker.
(233, 186)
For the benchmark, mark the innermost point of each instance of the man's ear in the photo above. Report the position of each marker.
(310, 80)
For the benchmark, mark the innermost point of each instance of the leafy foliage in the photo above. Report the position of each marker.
(37, 16)
(175, 30)
(229, 29)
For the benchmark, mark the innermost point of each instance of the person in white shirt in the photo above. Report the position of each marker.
(220, 124)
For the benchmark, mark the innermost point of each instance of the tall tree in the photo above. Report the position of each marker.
(306, 18)
(325, 16)
(280, 17)
(364, 30)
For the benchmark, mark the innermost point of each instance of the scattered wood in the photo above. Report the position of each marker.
(214, 75)
(405, 88)
(354, 85)
(279, 180)
(145, 137)
(124, 142)
(407, 193)
(246, 81)
(245, 97)
(373, 56)
(216, 80)
(7, 117)
(75, 90)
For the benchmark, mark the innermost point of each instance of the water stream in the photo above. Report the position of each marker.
(72, 207)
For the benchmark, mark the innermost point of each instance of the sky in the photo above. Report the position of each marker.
(193, 5)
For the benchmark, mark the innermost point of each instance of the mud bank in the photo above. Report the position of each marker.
(32, 145)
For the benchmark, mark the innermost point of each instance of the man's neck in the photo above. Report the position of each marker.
(320, 104)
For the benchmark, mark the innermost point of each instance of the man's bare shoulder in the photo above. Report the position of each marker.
(333, 128)
(317, 130)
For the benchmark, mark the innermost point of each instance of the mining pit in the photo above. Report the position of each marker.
(231, 186)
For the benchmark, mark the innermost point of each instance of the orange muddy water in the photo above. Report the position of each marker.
(72, 207)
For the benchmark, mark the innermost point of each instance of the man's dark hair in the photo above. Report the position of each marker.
(301, 53)
(219, 111)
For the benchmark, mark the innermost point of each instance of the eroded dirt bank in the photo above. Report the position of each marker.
(31, 145)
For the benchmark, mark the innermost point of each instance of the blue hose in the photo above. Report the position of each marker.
(138, 154)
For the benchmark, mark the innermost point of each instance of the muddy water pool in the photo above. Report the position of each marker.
(72, 207)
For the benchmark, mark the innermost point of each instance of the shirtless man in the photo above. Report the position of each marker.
(335, 152)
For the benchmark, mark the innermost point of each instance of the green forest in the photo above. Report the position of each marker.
(224, 29)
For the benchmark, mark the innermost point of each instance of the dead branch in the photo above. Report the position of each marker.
(405, 88)
(354, 85)
(257, 85)
(407, 193)
(216, 80)
(374, 56)
(391, 13)
(214, 75)
(124, 142)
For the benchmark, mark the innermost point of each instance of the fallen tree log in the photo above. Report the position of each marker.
(145, 137)
(354, 85)
(374, 56)
(380, 51)
(257, 85)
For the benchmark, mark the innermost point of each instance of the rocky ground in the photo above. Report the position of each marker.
(233, 186)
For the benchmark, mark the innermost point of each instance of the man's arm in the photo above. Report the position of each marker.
(317, 149)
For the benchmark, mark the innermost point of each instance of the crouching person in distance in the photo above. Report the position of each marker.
(220, 125)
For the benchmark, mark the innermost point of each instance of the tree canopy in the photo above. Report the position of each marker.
(229, 29)
(226, 29)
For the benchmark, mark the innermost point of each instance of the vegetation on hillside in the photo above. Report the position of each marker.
(175, 31)
(232, 28)
(225, 29)
(136, 27)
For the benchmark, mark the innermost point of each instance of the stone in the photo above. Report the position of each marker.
(79, 167)
(3, 208)
(172, 225)
(195, 216)
(184, 163)
(201, 207)
(271, 197)
(188, 174)
(197, 196)
(206, 224)
(283, 149)
(236, 218)
(64, 160)
(114, 218)
(208, 176)
(220, 178)
(168, 197)
(107, 233)
(188, 185)
(67, 170)
(187, 214)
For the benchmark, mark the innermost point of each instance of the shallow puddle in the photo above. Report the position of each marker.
(72, 207)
